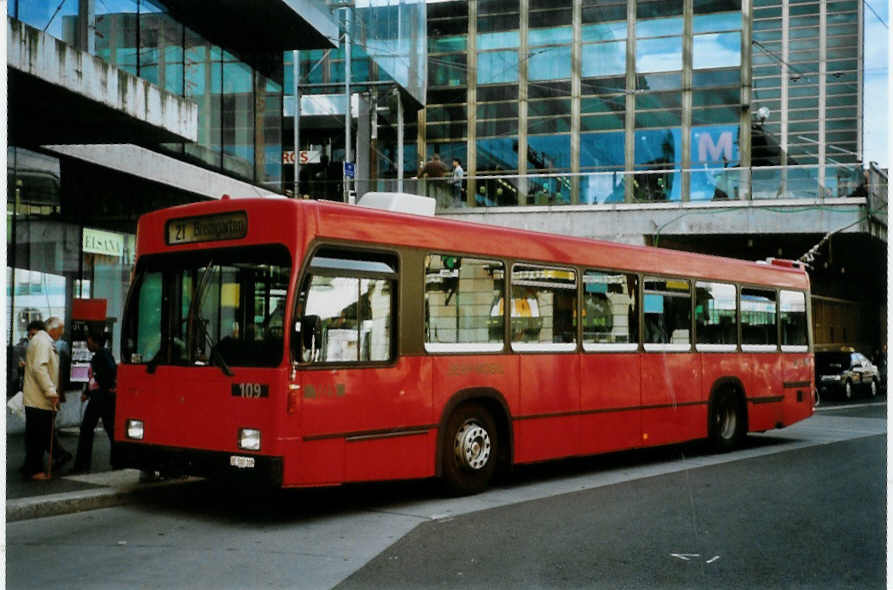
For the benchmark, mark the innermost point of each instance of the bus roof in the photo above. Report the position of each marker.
(297, 222)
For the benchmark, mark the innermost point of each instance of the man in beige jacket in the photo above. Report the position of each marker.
(41, 397)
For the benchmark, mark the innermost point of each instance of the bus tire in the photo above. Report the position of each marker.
(728, 423)
(470, 450)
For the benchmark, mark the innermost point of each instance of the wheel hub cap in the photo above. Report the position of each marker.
(472, 446)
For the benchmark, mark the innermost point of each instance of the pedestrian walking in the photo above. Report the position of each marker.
(41, 399)
(456, 182)
(100, 397)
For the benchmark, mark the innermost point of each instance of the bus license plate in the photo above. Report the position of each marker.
(241, 462)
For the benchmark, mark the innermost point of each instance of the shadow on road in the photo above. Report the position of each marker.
(221, 501)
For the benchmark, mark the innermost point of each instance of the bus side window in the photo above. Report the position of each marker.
(794, 327)
(346, 308)
(609, 312)
(667, 307)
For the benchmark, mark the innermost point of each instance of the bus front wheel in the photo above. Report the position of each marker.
(727, 422)
(470, 450)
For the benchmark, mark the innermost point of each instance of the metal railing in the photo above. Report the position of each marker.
(672, 185)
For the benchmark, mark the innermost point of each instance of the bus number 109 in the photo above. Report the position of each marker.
(250, 390)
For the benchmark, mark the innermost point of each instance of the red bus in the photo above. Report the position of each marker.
(309, 343)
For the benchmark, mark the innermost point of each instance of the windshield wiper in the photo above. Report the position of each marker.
(214, 350)
(192, 320)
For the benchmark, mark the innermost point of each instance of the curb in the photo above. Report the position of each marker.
(66, 503)
(83, 500)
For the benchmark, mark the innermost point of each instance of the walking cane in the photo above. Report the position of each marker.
(52, 436)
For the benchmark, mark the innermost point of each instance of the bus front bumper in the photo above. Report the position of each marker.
(177, 461)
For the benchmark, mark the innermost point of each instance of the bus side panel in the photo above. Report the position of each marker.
(672, 406)
(469, 374)
(764, 391)
(371, 407)
(720, 365)
(608, 384)
(398, 457)
(799, 382)
(550, 407)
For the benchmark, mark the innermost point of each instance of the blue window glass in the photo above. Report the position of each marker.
(116, 33)
(602, 187)
(604, 31)
(659, 55)
(549, 191)
(719, 21)
(549, 63)
(57, 18)
(500, 40)
(448, 151)
(447, 70)
(604, 59)
(445, 44)
(601, 150)
(554, 36)
(497, 153)
(716, 50)
(497, 67)
(659, 82)
(656, 147)
(657, 27)
(657, 150)
(714, 153)
(549, 152)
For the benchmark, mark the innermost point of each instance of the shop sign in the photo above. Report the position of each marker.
(96, 241)
(307, 157)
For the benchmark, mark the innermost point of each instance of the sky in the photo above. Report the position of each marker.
(877, 107)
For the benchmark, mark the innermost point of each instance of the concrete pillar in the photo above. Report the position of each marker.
(523, 72)
(823, 92)
(687, 77)
(472, 95)
(630, 123)
(576, 91)
(745, 143)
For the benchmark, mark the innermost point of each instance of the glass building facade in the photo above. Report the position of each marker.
(70, 224)
(605, 101)
(239, 97)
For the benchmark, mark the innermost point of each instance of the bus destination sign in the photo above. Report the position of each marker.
(209, 228)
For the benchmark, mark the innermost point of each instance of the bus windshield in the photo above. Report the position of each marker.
(211, 307)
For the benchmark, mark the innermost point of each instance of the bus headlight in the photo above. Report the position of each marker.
(249, 439)
(135, 429)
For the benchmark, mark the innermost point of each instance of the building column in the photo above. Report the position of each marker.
(823, 94)
(576, 91)
(687, 100)
(630, 122)
(471, 100)
(745, 143)
(785, 89)
(523, 71)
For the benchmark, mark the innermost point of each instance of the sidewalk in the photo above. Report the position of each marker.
(66, 493)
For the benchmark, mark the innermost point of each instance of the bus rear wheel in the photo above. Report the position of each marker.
(727, 422)
(470, 450)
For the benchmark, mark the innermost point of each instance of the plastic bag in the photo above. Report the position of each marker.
(16, 405)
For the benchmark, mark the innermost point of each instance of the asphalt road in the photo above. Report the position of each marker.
(798, 508)
(812, 518)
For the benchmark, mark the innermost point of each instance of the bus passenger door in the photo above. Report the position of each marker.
(610, 399)
(365, 413)
(672, 408)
